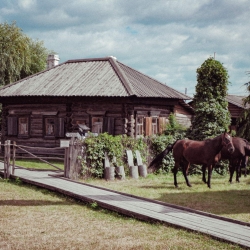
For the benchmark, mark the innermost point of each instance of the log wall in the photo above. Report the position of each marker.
(123, 113)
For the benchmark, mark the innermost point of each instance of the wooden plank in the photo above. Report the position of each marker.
(130, 157)
(106, 161)
(138, 157)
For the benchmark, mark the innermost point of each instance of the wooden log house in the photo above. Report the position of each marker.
(236, 108)
(102, 93)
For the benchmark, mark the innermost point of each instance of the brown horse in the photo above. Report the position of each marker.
(186, 152)
(237, 159)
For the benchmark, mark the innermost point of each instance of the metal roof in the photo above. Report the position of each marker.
(104, 77)
(237, 100)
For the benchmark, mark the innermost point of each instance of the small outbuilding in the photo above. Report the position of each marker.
(100, 94)
(236, 108)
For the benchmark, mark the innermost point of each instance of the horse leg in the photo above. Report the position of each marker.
(244, 165)
(175, 170)
(185, 168)
(204, 173)
(231, 171)
(210, 169)
(238, 171)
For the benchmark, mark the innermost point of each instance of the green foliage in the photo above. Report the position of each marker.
(18, 181)
(115, 147)
(20, 56)
(211, 108)
(243, 121)
(94, 205)
(173, 128)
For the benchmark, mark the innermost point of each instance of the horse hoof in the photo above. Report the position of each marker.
(189, 185)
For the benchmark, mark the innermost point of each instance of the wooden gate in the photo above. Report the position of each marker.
(72, 164)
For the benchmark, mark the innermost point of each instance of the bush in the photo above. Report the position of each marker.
(115, 147)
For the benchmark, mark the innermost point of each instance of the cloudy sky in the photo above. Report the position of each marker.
(165, 39)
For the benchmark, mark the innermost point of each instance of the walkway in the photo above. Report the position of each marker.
(141, 208)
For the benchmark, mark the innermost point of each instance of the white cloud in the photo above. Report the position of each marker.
(26, 4)
(165, 39)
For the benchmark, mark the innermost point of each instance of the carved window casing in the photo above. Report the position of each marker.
(147, 126)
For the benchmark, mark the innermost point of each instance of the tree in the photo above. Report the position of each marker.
(211, 108)
(244, 120)
(20, 56)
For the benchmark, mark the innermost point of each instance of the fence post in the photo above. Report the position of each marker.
(73, 159)
(72, 164)
(13, 157)
(66, 162)
(7, 159)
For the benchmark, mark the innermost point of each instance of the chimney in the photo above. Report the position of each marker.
(52, 61)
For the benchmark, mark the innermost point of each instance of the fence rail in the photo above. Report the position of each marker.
(72, 165)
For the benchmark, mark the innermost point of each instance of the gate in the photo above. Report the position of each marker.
(72, 164)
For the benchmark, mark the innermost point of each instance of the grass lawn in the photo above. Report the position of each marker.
(224, 199)
(35, 218)
(36, 164)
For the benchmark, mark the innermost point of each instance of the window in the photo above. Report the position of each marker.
(97, 124)
(139, 126)
(109, 125)
(23, 126)
(18, 126)
(154, 125)
(148, 126)
(53, 127)
(50, 126)
(162, 124)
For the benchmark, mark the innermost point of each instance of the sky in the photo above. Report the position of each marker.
(164, 39)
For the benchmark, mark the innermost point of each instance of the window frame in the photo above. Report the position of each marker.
(155, 125)
(23, 135)
(58, 127)
(13, 126)
(99, 129)
(139, 125)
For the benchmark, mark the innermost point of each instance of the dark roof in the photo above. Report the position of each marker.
(105, 77)
(237, 100)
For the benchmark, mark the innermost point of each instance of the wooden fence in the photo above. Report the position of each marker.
(72, 151)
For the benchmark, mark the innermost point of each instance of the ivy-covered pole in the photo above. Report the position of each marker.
(211, 108)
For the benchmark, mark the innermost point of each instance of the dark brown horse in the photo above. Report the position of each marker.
(186, 152)
(237, 159)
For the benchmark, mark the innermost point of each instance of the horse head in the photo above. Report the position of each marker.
(227, 142)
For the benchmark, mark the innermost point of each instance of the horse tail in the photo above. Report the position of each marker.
(155, 164)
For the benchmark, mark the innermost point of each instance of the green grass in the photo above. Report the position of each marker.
(224, 199)
(35, 218)
(37, 164)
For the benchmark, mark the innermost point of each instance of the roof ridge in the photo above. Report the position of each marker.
(88, 59)
(121, 75)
